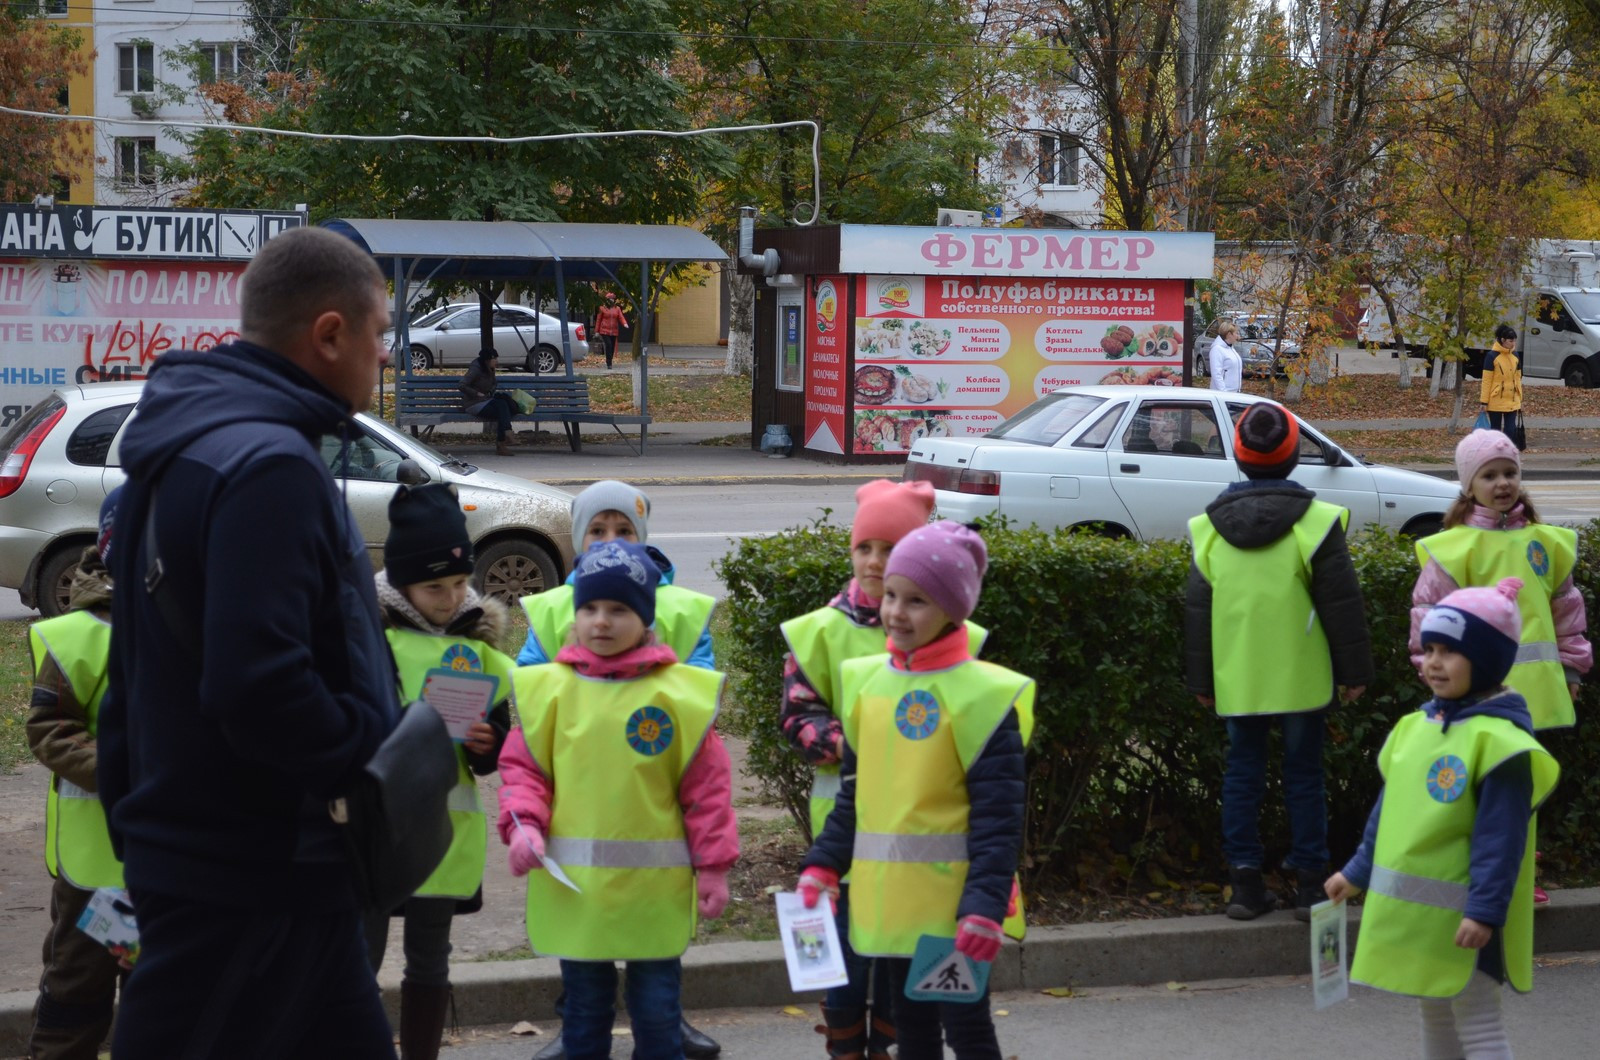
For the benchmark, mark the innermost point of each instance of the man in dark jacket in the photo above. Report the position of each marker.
(249, 677)
(1274, 627)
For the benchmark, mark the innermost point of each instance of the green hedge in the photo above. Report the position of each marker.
(1124, 763)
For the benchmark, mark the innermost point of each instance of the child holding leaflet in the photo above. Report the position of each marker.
(434, 620)
(1447, 858)
(618, 777)
(929, 815)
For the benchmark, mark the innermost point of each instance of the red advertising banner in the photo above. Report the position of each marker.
(948, 356)
(826, 384)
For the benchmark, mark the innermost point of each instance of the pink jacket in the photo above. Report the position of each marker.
(705, 794)
(1566, 606)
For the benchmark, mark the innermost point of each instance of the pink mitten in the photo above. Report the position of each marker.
(1016, 893)
(711, 885)
(815, 882)
(978, 937)
(527, 851)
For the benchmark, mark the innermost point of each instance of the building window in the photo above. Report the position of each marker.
(222, 62)
(1058, 160)
(136, 160)
(55, 8)
(136, 68)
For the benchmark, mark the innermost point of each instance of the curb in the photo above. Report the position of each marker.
(1120, 953)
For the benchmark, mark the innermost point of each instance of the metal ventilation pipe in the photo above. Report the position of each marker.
(766, 263)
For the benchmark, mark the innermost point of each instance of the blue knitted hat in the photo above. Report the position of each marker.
(620, 571)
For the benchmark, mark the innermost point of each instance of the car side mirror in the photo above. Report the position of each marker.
(1332, 455)
(410, 473)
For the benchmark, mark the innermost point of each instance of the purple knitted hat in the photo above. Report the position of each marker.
(945, 560)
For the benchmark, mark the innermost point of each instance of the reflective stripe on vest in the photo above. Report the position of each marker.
(77, 845)
(1441, 894)
(616, 752)
(915, 735)
(1261, 608)
(682, 617)
(1542, 556)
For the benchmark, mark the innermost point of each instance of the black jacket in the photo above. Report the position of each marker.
(1253, 515)
(224, 734)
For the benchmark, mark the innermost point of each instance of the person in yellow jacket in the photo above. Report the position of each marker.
(78, 988)
(618, 780)
(434, 619)
(1274, 631)
(928, 821)
(1447, 857)
(1501, 392)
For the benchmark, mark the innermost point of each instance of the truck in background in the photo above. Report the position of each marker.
(1556, 312)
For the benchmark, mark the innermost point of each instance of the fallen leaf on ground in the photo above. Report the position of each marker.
(776, 888)
(790, 1010)
(524, 1028)
(1002, 1012)
(1060, 991)
(1175, 985)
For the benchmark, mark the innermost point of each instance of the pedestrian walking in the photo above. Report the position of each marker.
(609, 320)
(250, 681)
(1491, 532)
(78, 987)
(1501, 392)
(1223, 361)
(480, 398)
(928, 821)
(1447, 857)
(632, 803)
(436, 620)
(1275, 631)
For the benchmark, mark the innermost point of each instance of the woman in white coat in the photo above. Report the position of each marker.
(1227, 367)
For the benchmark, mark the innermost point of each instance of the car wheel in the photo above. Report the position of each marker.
(421, 358)
(1200, 364)
(545, 360)
(1576, 374)
(510, 570)
(55, 579)
(1424, 526)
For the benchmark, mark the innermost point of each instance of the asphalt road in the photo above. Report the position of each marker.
(1218, 1020)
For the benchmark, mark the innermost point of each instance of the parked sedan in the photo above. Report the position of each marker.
(1140, 462)
(452, 335)
(1262, 352)
(58, 462)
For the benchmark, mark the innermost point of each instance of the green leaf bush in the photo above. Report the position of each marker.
(1124, 762)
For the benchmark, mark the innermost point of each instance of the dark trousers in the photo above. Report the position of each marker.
(78, 988)
(864, 972)
(1505, 423)
(1244, 785)
(655, 1010)
(966, 1026)
(500, 408)
(609, 342)
(426, 935)
(234, 984)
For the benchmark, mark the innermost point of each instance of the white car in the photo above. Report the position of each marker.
(452, 335)
(1141, 461)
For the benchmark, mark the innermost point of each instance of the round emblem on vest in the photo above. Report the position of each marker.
(917, 715)
(462, 659)
(1447, 779)
(1538, 558)
(650, 730)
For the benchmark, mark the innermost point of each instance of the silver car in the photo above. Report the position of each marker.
(452, 335)
(58, 462)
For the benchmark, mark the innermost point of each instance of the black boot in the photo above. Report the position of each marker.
(422, 1013)
(880, 1033)
(846, 1030)
(1308, 891)
(1250, 895)
(554, 1051)
(698, 1045)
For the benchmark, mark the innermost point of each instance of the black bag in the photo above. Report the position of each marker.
(396, 817)
(1519, 435)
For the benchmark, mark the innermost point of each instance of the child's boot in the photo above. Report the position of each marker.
(1250, 895)
(880, 1033)
(422, 1015)
(697, 1044)
(1308, 891)
(846, 1030)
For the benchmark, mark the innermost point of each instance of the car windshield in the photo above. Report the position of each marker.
(1585, 305)
(431, 318)
(397, 441)
(1046, 420)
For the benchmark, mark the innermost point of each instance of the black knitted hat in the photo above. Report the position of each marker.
(427, 535)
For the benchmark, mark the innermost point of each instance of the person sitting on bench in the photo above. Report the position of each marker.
(478, 398)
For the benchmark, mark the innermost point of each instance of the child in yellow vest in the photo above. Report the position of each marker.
(1447, 858)
(70, 655)
(820, 642)
(1492, 532)
(618, 778)
(928, 820)
(435, 619)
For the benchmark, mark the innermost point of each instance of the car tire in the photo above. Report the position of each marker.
(509, 570)
(55, 579)
(421, 358)
(1200, 365)
(545, 360)
(1575, 373)
(1424, 526)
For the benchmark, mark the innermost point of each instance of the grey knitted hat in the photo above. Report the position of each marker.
(609, 495)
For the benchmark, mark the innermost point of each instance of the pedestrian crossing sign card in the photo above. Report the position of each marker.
(1330, 964)
(940, 973)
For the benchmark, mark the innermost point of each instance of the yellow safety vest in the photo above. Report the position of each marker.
(460, 874)
(616, 752)
(77, 843)
(1261, 608)
(1422, 861)
(1542, 556)
(915, 734)
(822, 641)
(682, 616)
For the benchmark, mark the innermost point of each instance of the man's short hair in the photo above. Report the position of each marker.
(299, 274)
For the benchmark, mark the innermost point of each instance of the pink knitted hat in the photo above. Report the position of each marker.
(1477, 449)
(946, 561)
(888, 511)
(1485, 625)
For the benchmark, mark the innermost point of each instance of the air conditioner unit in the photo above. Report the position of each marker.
(960, 218)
